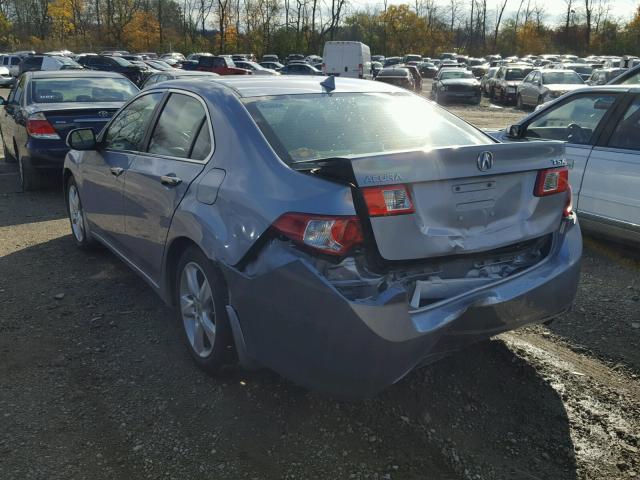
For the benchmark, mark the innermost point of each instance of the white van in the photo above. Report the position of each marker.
(347, 59)
(12, 62)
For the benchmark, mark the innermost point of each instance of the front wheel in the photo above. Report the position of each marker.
(201, 296)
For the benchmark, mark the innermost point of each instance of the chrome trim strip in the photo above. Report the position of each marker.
(608, 221)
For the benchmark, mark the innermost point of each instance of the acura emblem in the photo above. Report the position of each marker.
(485, 161)
(103, 113)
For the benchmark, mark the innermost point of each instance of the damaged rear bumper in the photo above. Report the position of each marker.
(295, 322)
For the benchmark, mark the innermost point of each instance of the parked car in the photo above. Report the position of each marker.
(417, 78)
(33, 63)
(347, 59)
(299, 69)
(396, 75)
(271, 58)
(427, 69)
(375, 68)
(485, 81)
(541, 86)
(272, 65)
(159, 65)
(6, 79)
(601, 126)
(581, 69)
(391, 61)
(504, 87)
(294, 57)
(222, 65)
(105, 63)
(378, 58)
(174, 74)
(300, 239)
(604, 75)
(43, 106)
(12, 62)
(255, 68)
(455, 84)
(411, 58)
(630, 77)
(175, 56)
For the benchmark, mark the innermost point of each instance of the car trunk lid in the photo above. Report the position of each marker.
(465, 199)
(66, 118)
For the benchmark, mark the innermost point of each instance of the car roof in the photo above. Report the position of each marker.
(260, 86)
(73, 73)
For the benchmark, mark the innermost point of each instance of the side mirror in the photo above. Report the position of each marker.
(515, 131)
(82, 139)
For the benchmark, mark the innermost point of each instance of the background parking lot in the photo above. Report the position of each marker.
(96, 383)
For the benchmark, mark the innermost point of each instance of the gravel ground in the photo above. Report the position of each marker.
(96, 384)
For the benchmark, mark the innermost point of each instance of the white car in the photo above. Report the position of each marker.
(12, 62)
(5, 77)
(601, 128)
(255, 68)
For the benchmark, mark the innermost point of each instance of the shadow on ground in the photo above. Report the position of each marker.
(100, 385)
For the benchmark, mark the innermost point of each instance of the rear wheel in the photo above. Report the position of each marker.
(201, 296)
(79, 230)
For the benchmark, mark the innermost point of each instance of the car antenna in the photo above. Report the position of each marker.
(329, 83)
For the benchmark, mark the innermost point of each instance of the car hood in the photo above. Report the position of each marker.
(563, 87)
(460, 81)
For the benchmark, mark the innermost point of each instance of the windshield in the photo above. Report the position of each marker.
(517, 73)
(314, 126)
(569, 77)
(121, 61)
(87, 89)
(393, 72)
(455, 74)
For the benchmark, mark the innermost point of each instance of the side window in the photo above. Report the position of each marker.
(127, 130)
(219, 63)
(15, 60)
(5, 61)
(19, 91)
(627, 133)
(202, 146)
(178, 126)
(206, 62)
(573, 121)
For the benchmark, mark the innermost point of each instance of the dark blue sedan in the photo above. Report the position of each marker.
(44, 106)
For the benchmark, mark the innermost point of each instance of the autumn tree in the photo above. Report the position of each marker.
(142, 33)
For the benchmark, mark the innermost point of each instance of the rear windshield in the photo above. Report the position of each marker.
(393, 72)
(314, 126)
(569, 77)
(517, 73)
(455, 74)
(94, 89)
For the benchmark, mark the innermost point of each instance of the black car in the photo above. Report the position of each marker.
(456, 84)
(398, 76)
(299, 69)
(174, 74)
(427, 69)
(104, 63)
(44, 106)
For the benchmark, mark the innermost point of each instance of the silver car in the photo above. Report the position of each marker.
(601, 126)
(321, 228)
(541, 86)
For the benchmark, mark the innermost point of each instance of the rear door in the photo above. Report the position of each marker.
(611, 185)
(577, 120)
(103, 172)
(178, 147)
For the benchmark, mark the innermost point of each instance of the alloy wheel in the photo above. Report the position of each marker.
(75, 214)
(197, 309)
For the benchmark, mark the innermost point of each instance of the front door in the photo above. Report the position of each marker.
(177, 150)
(104, 171)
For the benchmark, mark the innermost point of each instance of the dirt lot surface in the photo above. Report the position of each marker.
(95, 382)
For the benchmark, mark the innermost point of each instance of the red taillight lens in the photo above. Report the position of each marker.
(331, 235)
(39, 127)
(388, 200)
(551, 181)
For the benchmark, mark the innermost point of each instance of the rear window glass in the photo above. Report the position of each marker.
(89, 89)
(455, 74)
(517, 73)
(569, 77)
(315, 126)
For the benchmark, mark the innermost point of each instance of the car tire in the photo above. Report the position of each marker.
(29, 178)
(201, 299)
(519, 103)
(77, 219)
(438, 99)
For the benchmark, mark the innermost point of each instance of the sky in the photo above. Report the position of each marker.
(554, 8)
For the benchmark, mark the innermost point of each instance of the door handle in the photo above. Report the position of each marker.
(117, 171)
(170, 180)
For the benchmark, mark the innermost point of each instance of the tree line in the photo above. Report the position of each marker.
(426, 27)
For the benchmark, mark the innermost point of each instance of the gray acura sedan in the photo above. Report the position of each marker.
(322, 228)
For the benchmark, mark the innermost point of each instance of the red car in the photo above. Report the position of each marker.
(220, 65)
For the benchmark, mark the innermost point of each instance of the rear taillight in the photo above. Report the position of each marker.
(327, 234)
(388, 200)
(551, 181)
(39, 127)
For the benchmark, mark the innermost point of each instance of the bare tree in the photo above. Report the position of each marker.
(588, 12)
(499, 13)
